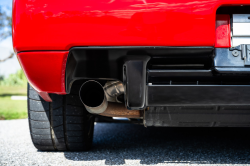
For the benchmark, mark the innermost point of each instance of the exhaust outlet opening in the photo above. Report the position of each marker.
(93, 97)
(92, 94)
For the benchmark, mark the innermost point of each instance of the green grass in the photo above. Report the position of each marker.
(12, 109)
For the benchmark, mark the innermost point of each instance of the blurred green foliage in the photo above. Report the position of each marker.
(13, 109)
(17, 79)
(5, 24)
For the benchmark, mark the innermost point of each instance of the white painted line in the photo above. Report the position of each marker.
(18, 97)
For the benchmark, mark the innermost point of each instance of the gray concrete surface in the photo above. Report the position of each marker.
(126, 144)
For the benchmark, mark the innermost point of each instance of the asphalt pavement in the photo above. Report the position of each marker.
(127, 144)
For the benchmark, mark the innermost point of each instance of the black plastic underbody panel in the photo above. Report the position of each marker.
(106, 63)
(198, 116)
(173, 76)
(196, 95)
(135, 85)
(226, 82)
(233, 60)
(184, 86)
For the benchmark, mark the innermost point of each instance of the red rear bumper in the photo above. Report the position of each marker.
(45, 71)
(48, 29)
(60, 25)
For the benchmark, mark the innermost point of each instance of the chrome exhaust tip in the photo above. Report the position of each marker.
(93, 97)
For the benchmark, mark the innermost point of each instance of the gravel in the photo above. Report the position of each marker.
(127, 144)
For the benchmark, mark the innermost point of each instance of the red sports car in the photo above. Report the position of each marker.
(176, 63)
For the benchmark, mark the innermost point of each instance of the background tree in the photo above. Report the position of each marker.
(5, 29)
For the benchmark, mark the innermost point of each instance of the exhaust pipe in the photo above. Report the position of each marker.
(93, 97)
(119, 110)
(113, 89)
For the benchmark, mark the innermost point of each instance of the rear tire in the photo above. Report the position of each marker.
(63, 124)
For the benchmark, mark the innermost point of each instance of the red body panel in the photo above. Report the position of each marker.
(47, 29)
(45, 71)
(62, 24)
(223, 36)
(45, 96)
